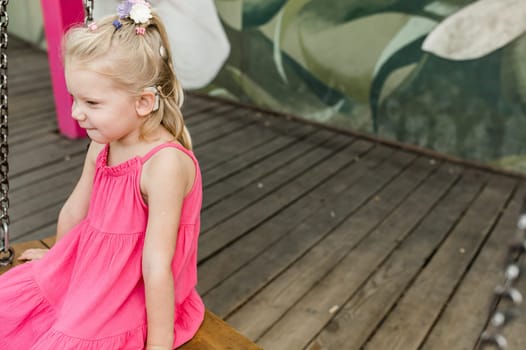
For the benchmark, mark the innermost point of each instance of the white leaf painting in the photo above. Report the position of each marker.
(477, 29)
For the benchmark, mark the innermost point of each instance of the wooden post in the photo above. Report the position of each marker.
(59, 15)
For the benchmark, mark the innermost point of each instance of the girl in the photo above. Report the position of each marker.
(122, 274)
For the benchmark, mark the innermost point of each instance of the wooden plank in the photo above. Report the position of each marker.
(49, 170)
(313, 310)
(22, 111)
(225, 298)
(193, 106)
(34, 198)
(41, 233)
(261, 311)
(200, 99)
(422, 303)
(225, 170)
(41, 125)
(233, 203)
(241, 252)
(23, 105)
(20, 82)
(215, 334)
(275, 128)
(65, 178)
(237, 139)
(23, 120)
(229, 230)
(211, 118)
(25, 85)
(249, 138)
(30, 89)
(266, 166)
(18, 149)
(49, 154)
(22, 229)
(17, 43)
(469, 306)
(48, 241)
(208, 119)
(369, 305)
(205, 114)
(35, 138)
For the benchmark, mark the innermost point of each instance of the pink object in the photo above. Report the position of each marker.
(87, 293)
(140, 30)
(59, 15)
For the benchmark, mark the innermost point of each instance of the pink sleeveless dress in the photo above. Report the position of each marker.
(87, 293)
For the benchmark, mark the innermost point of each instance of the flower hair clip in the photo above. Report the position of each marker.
(138, 11)
(117, 24)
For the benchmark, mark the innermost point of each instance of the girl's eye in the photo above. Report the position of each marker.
(92, 103)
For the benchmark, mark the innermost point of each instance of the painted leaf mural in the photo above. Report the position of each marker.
(402, 50)
(260, 75)
(513, 72)
(257, 12)
(478, 29)
(399, 69)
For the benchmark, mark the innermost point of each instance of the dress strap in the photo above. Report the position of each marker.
(102, 157)
(170, 144)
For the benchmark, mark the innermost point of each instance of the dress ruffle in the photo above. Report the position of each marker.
(26, 314)
(130, 340)
(27, 320)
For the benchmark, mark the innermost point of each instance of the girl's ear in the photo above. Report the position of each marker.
(145, 103)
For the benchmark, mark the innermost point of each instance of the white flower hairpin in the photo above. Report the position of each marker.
(139, 11)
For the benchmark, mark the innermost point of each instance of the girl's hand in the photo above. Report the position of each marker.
(32, 254)
(156, 347)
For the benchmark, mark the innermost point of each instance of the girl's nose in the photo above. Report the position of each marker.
(76, 112)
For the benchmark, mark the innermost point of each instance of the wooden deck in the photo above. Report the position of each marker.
(311, 238)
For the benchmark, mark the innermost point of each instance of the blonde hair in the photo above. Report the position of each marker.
(134, 62)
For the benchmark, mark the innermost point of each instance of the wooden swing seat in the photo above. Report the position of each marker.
(213, 334)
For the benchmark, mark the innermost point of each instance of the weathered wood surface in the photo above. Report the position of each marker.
(311, 238)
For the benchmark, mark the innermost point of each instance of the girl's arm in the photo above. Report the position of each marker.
(166, 178)
(76, 206)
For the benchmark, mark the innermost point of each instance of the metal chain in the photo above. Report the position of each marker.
(88, 10)
(506, 299)
(6, 252)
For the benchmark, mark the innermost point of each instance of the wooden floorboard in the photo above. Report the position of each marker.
(311, 238)
(468, 303)
(305, 272)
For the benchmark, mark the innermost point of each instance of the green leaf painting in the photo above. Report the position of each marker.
(257, 12)
(444, 74)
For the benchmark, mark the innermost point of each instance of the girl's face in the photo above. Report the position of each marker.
(107, 113)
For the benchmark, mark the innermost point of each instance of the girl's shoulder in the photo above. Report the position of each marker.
(168, 162)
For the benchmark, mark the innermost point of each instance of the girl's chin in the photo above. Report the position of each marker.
(95, 136)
